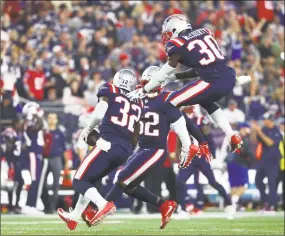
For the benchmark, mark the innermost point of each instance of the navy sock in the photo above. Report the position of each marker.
(144, 195)
(223, 193)
(81, 186)
(194, 130)
(182, 194)
(115, 193)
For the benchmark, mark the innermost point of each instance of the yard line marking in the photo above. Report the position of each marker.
(53, 222)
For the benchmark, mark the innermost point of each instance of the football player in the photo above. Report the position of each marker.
(152, 150)
(11, 149)
(34, 140)
(198, 50)
(119, 130)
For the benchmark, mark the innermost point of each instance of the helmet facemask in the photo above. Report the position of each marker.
(173, 25)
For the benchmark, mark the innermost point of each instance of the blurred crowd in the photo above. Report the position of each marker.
(61, 52)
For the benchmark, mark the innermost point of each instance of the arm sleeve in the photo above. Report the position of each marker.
(98, 114)
(159, 77)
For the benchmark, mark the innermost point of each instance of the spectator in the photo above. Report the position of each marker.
(233, 114)
(269, 156)
(54, 152)
(8, 111)
(238, 164)
(73, 106)
(35, 82)
(90, 95)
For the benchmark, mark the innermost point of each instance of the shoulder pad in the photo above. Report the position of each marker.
(174, 46)
(107, 89)
(165, 94)
(179, 42)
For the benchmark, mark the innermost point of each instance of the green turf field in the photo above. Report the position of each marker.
(135, 225)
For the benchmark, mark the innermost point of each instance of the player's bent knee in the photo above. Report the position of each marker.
(121, 184)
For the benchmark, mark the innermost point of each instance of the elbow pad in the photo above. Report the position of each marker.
(159, 77)
(98, 114)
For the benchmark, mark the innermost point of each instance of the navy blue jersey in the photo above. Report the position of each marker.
(118, 123)
(10, 142)
(154, 123)
(34, 138)
(199, 51)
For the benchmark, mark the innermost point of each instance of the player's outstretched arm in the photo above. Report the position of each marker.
(96, 117)
(166, 70)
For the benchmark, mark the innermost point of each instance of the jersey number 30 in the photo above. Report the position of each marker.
(209, 47)
(127, 119)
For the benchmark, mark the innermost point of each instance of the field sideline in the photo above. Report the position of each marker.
(250, 223)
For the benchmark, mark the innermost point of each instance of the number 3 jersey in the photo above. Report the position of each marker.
(118, 123)
(155, 124)
(199, 51)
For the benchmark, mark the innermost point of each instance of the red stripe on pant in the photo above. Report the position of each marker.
(198, 82)
(90, 162)
(143, 165)
(194, 95)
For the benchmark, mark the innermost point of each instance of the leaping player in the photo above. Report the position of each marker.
(198, 50)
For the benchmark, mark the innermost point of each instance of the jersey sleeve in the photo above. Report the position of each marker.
(107, 90)
(174, 46)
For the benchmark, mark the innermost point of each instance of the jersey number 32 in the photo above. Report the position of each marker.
(126, 119)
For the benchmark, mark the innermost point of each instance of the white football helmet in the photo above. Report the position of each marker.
(173, 25)
(31, 108)
(148, 74)
(125, 79)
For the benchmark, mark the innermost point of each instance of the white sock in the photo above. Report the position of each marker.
(219, 117)
(235, 199)
(93, 195)
(81, 204)
(180, 129)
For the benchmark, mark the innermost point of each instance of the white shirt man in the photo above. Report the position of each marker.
(233, 114)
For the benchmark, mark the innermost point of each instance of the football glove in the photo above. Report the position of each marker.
(84, 133)
(135, 94)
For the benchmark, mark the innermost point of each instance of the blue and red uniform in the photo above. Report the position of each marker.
(34, 139)
(197, 165)
(200, 51)
(117, 127)
(152, 150)
(11, 140)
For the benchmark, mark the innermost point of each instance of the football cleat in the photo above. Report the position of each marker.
(205, 152)
(166, 210)
(230, 211)
(88, 214)
(236, 142)
(186, 160)
(70, 223)
(109, 209)
(197, 211)
(189, 208)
